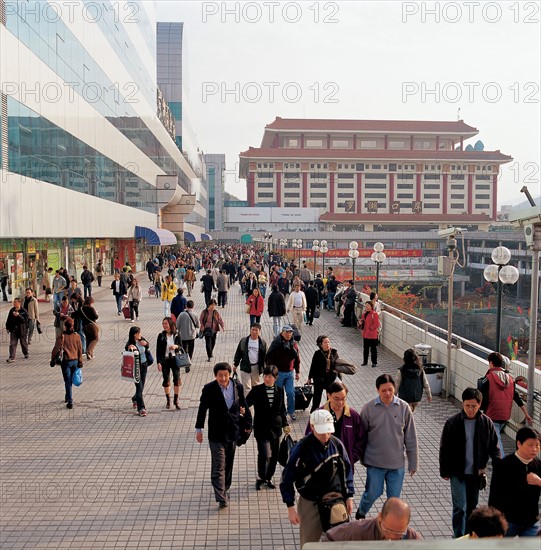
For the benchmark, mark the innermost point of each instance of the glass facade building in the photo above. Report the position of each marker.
(80, 134)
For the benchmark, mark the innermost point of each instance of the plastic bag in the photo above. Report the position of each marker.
(77, 378)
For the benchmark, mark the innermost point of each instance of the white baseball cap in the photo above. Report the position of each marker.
(322, 421)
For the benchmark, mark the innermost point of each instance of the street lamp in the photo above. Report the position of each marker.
(323, 249)
(315, 248)
(297, 245)
(353, 254)
(378, 256)
(501, 273)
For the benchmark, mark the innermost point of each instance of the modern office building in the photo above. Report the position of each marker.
(89, 167)
(215, 164)
(171, 82)
(375, 174)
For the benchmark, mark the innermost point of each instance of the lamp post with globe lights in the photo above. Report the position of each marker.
(353, 254)
(502, 274)
(323, 249)
(315, 248)
(378, 257)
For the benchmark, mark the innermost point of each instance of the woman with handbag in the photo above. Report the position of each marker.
(167, 347)
(69, 351)
(134, 299)
(369, 324)
(323, 369)
(210, 323)
(89, 316)
(255, 306)
(411, 380)
(137, 343)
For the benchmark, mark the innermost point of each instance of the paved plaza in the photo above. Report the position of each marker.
(99, 476)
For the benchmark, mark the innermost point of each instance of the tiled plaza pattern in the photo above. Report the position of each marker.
(99, 476)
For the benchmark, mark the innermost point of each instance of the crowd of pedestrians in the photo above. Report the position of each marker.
(381, 436)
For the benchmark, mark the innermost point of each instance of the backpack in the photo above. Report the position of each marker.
(411, 389)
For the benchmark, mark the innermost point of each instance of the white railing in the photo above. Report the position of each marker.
(468, 359)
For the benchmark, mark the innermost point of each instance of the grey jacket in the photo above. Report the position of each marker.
(222, 283)
(185, 326)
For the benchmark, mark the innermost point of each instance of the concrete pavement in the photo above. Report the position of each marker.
(99, 476)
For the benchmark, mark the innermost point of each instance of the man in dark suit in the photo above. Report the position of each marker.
(312, 302)
(208, 286)
(269, 418)
(224, 399)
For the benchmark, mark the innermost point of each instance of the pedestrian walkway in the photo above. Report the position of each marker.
(99, 476)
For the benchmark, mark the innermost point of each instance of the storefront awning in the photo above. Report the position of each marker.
(190, 237)
(206, 237)
(155, 236)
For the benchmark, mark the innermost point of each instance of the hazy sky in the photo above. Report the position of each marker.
(248, 62)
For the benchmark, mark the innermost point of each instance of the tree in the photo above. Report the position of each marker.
(399, 298)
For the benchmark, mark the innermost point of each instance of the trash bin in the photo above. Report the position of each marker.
(424, 351)
(434, 374)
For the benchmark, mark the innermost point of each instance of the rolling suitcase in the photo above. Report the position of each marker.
(126, 311)
(303, 396)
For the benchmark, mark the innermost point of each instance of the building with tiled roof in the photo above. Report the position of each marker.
(383, 173)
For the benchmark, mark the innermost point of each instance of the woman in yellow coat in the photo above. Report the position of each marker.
(169, 291)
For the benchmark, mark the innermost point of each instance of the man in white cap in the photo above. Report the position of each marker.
(318, 465)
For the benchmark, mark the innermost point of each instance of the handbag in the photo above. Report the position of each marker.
(332, 510)
(38, 327)
(77, 378)
(182, 359)
(344, 367)
(150, 357)
(317, 313)
(248, 308)
(284, 449)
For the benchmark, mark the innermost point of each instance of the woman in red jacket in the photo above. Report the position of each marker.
(257, 305)
(369, 324)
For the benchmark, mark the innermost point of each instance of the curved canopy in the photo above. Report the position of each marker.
(206, 237)
(190, 237)
(155, 236)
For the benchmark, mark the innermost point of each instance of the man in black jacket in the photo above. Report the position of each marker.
(270, 418)
(119, 290)
(224, 400)
(516, 485)
(468, 440)
(250, 355)
(208, 286)
(312, 302)
(16, 325)
(276, 307)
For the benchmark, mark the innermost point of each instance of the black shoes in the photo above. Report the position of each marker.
(258, 484)
(222, 505)
(175, 401)
(359, 516)
(69, 405)
(270, 484)
(364, 364)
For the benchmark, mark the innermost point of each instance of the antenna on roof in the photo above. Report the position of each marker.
(458, 114)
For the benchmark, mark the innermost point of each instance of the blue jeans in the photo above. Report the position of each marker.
(167, 308)
(276, 325)
(68, 368)
(57, 299)
(465, 496)
(499, 427)
(522, 531)
(254, 319)
(330, 300)
(87, 288)
(263, 290)
(118, 299)
(375, 477)
(286, 380)
(81, 333)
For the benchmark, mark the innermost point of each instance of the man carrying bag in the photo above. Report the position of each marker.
(320, 470)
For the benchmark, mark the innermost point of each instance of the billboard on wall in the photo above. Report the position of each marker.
(267, 214)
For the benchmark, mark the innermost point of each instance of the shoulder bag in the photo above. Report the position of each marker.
(59, 357)
(182, 359)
